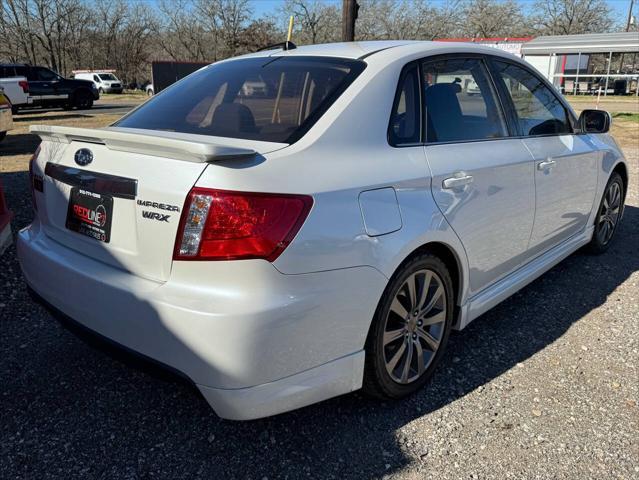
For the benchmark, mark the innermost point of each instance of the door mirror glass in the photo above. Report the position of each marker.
(594, 121)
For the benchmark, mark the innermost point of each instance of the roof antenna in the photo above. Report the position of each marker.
(287, 45)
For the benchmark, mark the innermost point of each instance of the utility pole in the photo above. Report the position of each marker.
(349, 15)
(629, 22)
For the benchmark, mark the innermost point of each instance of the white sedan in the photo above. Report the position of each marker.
(325, 233)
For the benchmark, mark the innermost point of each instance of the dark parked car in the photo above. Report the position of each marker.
(48, 89)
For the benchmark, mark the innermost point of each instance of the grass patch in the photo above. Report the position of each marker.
(134, 96)
(631, 117)
(602, 99)
(18, 146)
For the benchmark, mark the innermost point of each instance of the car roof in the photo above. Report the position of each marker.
(343, 49)
(368, 49)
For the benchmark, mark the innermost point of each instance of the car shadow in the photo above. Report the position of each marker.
(96, 106)
(19, 144)
(124, 418)
(22, 118)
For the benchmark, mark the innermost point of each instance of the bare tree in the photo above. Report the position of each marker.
(414, 20)
(127, 36)
(492, 18)
(260, 33)
(233, 16)
(180, 31)
(565, 17)
(316, 21)
(17, 38)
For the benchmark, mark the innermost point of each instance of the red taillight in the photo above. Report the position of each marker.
(24, 85)
(223, 225)
(35, 181)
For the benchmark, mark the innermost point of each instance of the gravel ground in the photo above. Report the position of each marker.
(543, 386)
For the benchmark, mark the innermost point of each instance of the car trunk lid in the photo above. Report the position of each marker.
(123, 207)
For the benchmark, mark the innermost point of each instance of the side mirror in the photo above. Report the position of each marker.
(594, 121)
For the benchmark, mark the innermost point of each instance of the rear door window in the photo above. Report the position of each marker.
(44, 74)
(274, 99)
(405, 124)
(7, 72)
(21, 71)
(539, 110)
(28, 72)
(460, 101)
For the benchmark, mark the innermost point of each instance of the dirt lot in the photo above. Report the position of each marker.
(545, 385)
(612, 104)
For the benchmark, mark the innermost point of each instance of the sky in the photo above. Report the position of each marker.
(620, 7)
(260, 7)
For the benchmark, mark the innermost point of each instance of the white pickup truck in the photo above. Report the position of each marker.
(17, 90)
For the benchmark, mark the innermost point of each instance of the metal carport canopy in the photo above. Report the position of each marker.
(623, 42)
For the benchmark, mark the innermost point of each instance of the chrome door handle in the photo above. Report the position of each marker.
(459, 180)
(546, 164)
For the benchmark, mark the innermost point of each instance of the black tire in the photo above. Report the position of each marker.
(83, 100)
(2, 135)
(378, 381)
(100, 91)
(603, 234)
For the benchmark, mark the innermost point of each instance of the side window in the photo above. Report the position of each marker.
(96, 79)
(460, 102)
(45, 75)
(20, 71)
(31, 74)
(538, 108)
(405, 122)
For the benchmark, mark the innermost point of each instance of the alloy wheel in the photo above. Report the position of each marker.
(609, 213)
(414, 326)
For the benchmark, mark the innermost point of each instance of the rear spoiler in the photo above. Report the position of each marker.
(151, 142)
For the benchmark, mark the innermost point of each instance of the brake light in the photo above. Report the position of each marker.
(35, 181)
(24, 85)
(224, 225)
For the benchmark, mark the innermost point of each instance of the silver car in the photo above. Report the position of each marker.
(325, 233)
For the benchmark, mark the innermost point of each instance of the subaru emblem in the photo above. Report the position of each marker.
(83, 157)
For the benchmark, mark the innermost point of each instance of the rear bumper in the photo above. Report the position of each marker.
(254, 341)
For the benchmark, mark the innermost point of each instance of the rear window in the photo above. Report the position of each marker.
(273, 99)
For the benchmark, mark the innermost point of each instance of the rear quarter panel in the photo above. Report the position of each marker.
(344, 154)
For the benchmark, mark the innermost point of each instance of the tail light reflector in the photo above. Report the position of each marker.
(24, 85)
(224, 225)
